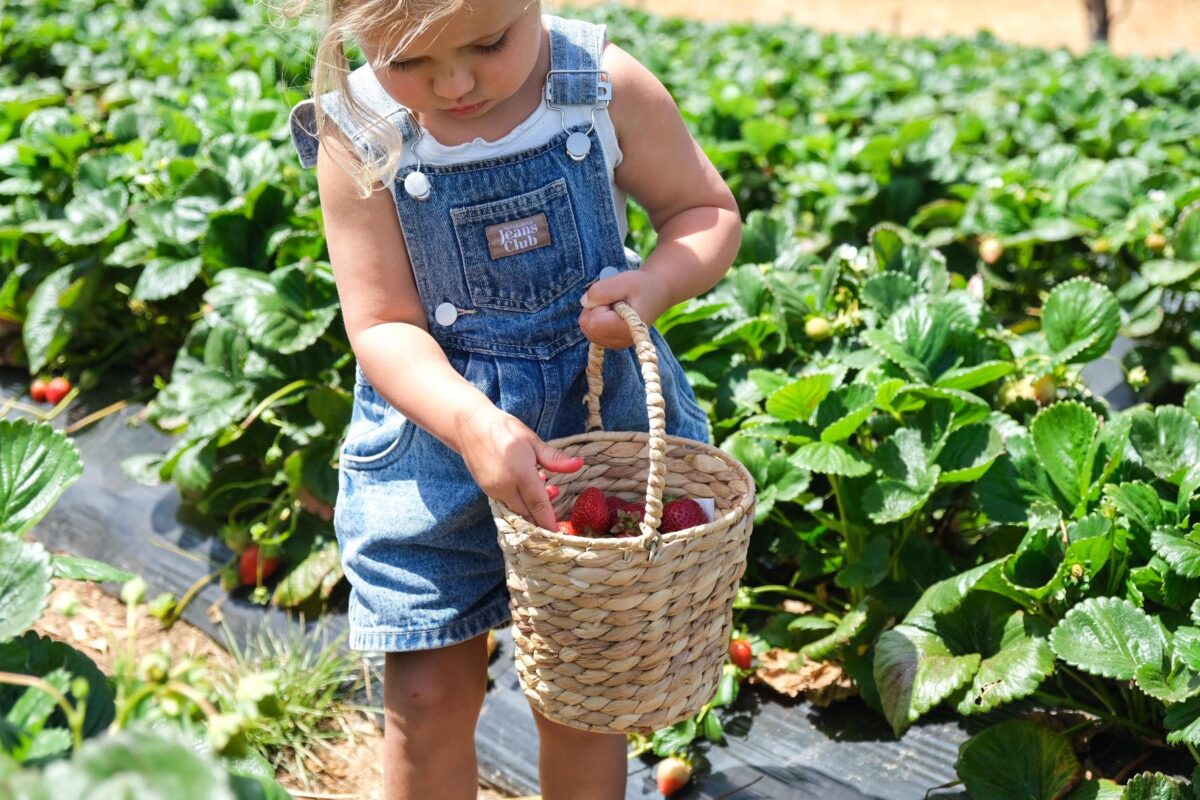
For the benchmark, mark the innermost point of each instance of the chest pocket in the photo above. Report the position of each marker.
(522, 252)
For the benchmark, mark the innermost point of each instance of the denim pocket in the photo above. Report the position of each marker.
(378, 434)
(522, 252)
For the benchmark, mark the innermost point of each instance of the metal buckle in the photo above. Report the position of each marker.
(603, 85)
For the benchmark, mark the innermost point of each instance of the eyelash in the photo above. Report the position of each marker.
(489, 49)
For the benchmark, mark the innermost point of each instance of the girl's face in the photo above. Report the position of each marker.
(467, 64)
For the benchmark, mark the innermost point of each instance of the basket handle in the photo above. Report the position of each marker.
(655, 411)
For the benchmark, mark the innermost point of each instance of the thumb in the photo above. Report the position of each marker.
(556, 460)
(605, 292)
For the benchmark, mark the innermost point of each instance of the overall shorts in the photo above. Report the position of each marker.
(502, 250)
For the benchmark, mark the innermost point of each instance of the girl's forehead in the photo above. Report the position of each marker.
(425, 32)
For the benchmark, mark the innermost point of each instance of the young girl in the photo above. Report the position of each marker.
(473, 176)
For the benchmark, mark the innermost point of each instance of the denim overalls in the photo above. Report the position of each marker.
(502, 251)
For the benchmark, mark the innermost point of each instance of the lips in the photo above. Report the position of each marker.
(459, 110)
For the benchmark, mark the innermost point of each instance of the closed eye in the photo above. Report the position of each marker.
(486, 49)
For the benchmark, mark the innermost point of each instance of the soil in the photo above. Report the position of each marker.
(1147, 27)
(351, 769)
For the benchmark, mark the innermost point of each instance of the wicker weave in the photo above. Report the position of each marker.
(628, 635)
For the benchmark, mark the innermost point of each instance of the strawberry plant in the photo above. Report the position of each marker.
(57, 705)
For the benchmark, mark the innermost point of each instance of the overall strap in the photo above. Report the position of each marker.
(367, 92)
(576, 52)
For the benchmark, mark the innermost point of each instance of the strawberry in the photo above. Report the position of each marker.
(37, 390)
(567, 527)
(590, 512)
(682, 513)
(615, 506)
(629, 520)
(672, 775)
(740, 654)
(248, 565)
(57, 389)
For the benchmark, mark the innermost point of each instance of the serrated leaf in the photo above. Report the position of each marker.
(1162, 272)
(1181, 552)
(1139, 503)
(1168, 441)
(1107, 636)
(306, 579)
(32, 654)
(914, 671)
(844, 410)
(967, 378)
(1097, 790)
(1080, 311)
(1187, 647)
(831, 459)
(1183, 722)
(163, 277)
(849, 626)
(968, 453)
(94, 215)
(24, 584)
(1062, 438)
(207, 398)
(888, 292)
(1156, 786)
(1017, 758)
(1015, 670)
(47, 325)
(907, 479)
(799, 399)
(1187, 233)
(37, 464)
(1175, 687)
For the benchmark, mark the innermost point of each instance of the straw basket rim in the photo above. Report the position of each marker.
(744, 505)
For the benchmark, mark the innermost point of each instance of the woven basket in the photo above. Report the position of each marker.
(628, 635)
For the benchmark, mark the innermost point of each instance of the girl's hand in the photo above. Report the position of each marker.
(604, 326)
(503, 456)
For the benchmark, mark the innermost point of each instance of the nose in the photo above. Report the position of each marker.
(453, 83)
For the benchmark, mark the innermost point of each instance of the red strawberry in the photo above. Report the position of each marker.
(672, 775)
(740, 653)
(567, 527)
(682, 513)
(37, 390)
(57, 389)
(615, 506)
(590, 512)
(248, 565)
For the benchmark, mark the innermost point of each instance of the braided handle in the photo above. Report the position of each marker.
(655, 410)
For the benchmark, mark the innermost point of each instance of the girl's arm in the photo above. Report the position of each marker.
(694, 213)
(389, 334)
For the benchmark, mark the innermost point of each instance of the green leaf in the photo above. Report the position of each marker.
(844, 411)
(1187, 233)
(1167, 273)
(32, 654)
(799, 399)
(907, 479)
(1017, 759)
(967, 378)
(1102, 789)
(309, 576)
(889, 292)
(1156, 786)
(1170, 685)
(163, 277)
(1168, 441)
(830, 459)
(969, 452)
(286, 313)
(207, 398)
(37, 464)
(48, 323)
(1183, 722)
(1107, 636)
(1139, 503)
(1187, 646)
(76, 568)
(1080, 320)
(849, 626)
(915, 670)
(1062, 438)
(1181, 552)
(91, 217)
(24, 584)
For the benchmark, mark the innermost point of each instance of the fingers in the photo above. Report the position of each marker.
(556, 460)
(606, 328)
(537, 505)
(607, 291)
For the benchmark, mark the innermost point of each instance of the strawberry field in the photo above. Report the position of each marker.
(957, 352)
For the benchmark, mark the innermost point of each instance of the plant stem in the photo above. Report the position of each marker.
(1100, 695)
(74, 719)
(271, 398)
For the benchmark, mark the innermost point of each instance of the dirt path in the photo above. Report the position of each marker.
(1149, 27)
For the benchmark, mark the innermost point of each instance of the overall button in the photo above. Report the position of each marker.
(608, 272)
(445, 314)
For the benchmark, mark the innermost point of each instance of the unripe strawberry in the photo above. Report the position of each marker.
(1155, 241)
(818, 329)
(672, 775)
(990, 249)
(1045, 390)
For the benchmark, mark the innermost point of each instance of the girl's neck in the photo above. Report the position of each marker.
(502, 118)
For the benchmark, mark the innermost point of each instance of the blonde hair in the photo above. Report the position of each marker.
(349, 22)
